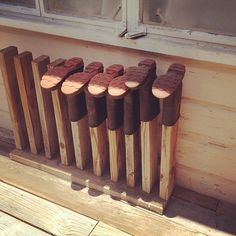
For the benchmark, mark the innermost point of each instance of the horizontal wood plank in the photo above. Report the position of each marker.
(193, 151)
(43, 214)
(196, 198)
(206, 183)
(106, 230)
(98, 206)
(213, 122)
(10, 226)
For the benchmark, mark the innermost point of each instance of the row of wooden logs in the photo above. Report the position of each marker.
(107, 118)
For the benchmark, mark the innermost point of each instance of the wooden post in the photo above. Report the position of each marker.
(52, 80)
(73, 88)
(96, 105)
(13, 96)
(116, 136)
(118, 90)
(142, 78)
(46, 111)
(29, 100)
(169, 88)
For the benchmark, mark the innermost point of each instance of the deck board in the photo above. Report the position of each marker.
(43, 214)
(91, 203)
(10, 226)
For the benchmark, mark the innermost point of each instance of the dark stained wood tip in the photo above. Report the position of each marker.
(41, 59)
(150, 63)
(166, 84)
(76, 83)
(137, 76)
(115, 70)
(117, 88)
(9, 50)
(98, 85)
(23, 57)
(55, 75)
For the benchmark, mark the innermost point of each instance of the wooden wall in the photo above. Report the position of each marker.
(206, 148)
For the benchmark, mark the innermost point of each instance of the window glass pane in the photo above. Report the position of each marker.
(21, 3)
(217, 16)
(107, 9)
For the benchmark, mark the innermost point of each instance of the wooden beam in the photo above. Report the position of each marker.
(169, 88)
(29, 100)
(141, 78)
(167, 171)
(97, 113)
(57, 72)
(13, 96)
(46, 111)
(74, 89)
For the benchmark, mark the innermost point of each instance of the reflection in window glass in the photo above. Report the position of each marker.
(21, 3)
(107, 9)
(208, 15)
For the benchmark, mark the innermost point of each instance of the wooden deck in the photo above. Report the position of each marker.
(33, 202)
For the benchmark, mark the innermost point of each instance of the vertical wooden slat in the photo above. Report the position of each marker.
(63, 124)
(29, 101)
(58, 71)
(167, 171)
(133, 158)
(82, 142)
(100, 150)
(73, 87)
(149, 147)
(46, 111)
(169, 87)
(13, 96)
(116, 152)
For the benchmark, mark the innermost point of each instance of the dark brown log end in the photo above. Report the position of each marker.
(117, 88)
(76, 83)
(55, 76)
(166, 84)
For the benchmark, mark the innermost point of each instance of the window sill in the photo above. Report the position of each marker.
(168, 45)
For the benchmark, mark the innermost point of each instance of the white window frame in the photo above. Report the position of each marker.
(21, 9)
(98, 22)
(184, 33)
(168, 41)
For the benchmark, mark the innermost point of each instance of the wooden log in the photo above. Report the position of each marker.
(141, 78)
(116, 137)
(118, 90)
(13, 96)
(46, 111)
(96, 105)
(73, 88)
(132, 137)
(169, 87)
(57, 73)
(29, 100)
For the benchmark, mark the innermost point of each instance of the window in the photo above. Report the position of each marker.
(197, 29)
(21, 6)
(109, 9)
(214, 16)
(22, 3)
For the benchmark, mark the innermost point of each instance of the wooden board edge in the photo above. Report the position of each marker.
(86, 178)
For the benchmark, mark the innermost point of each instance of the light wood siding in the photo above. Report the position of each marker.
(206, 146)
